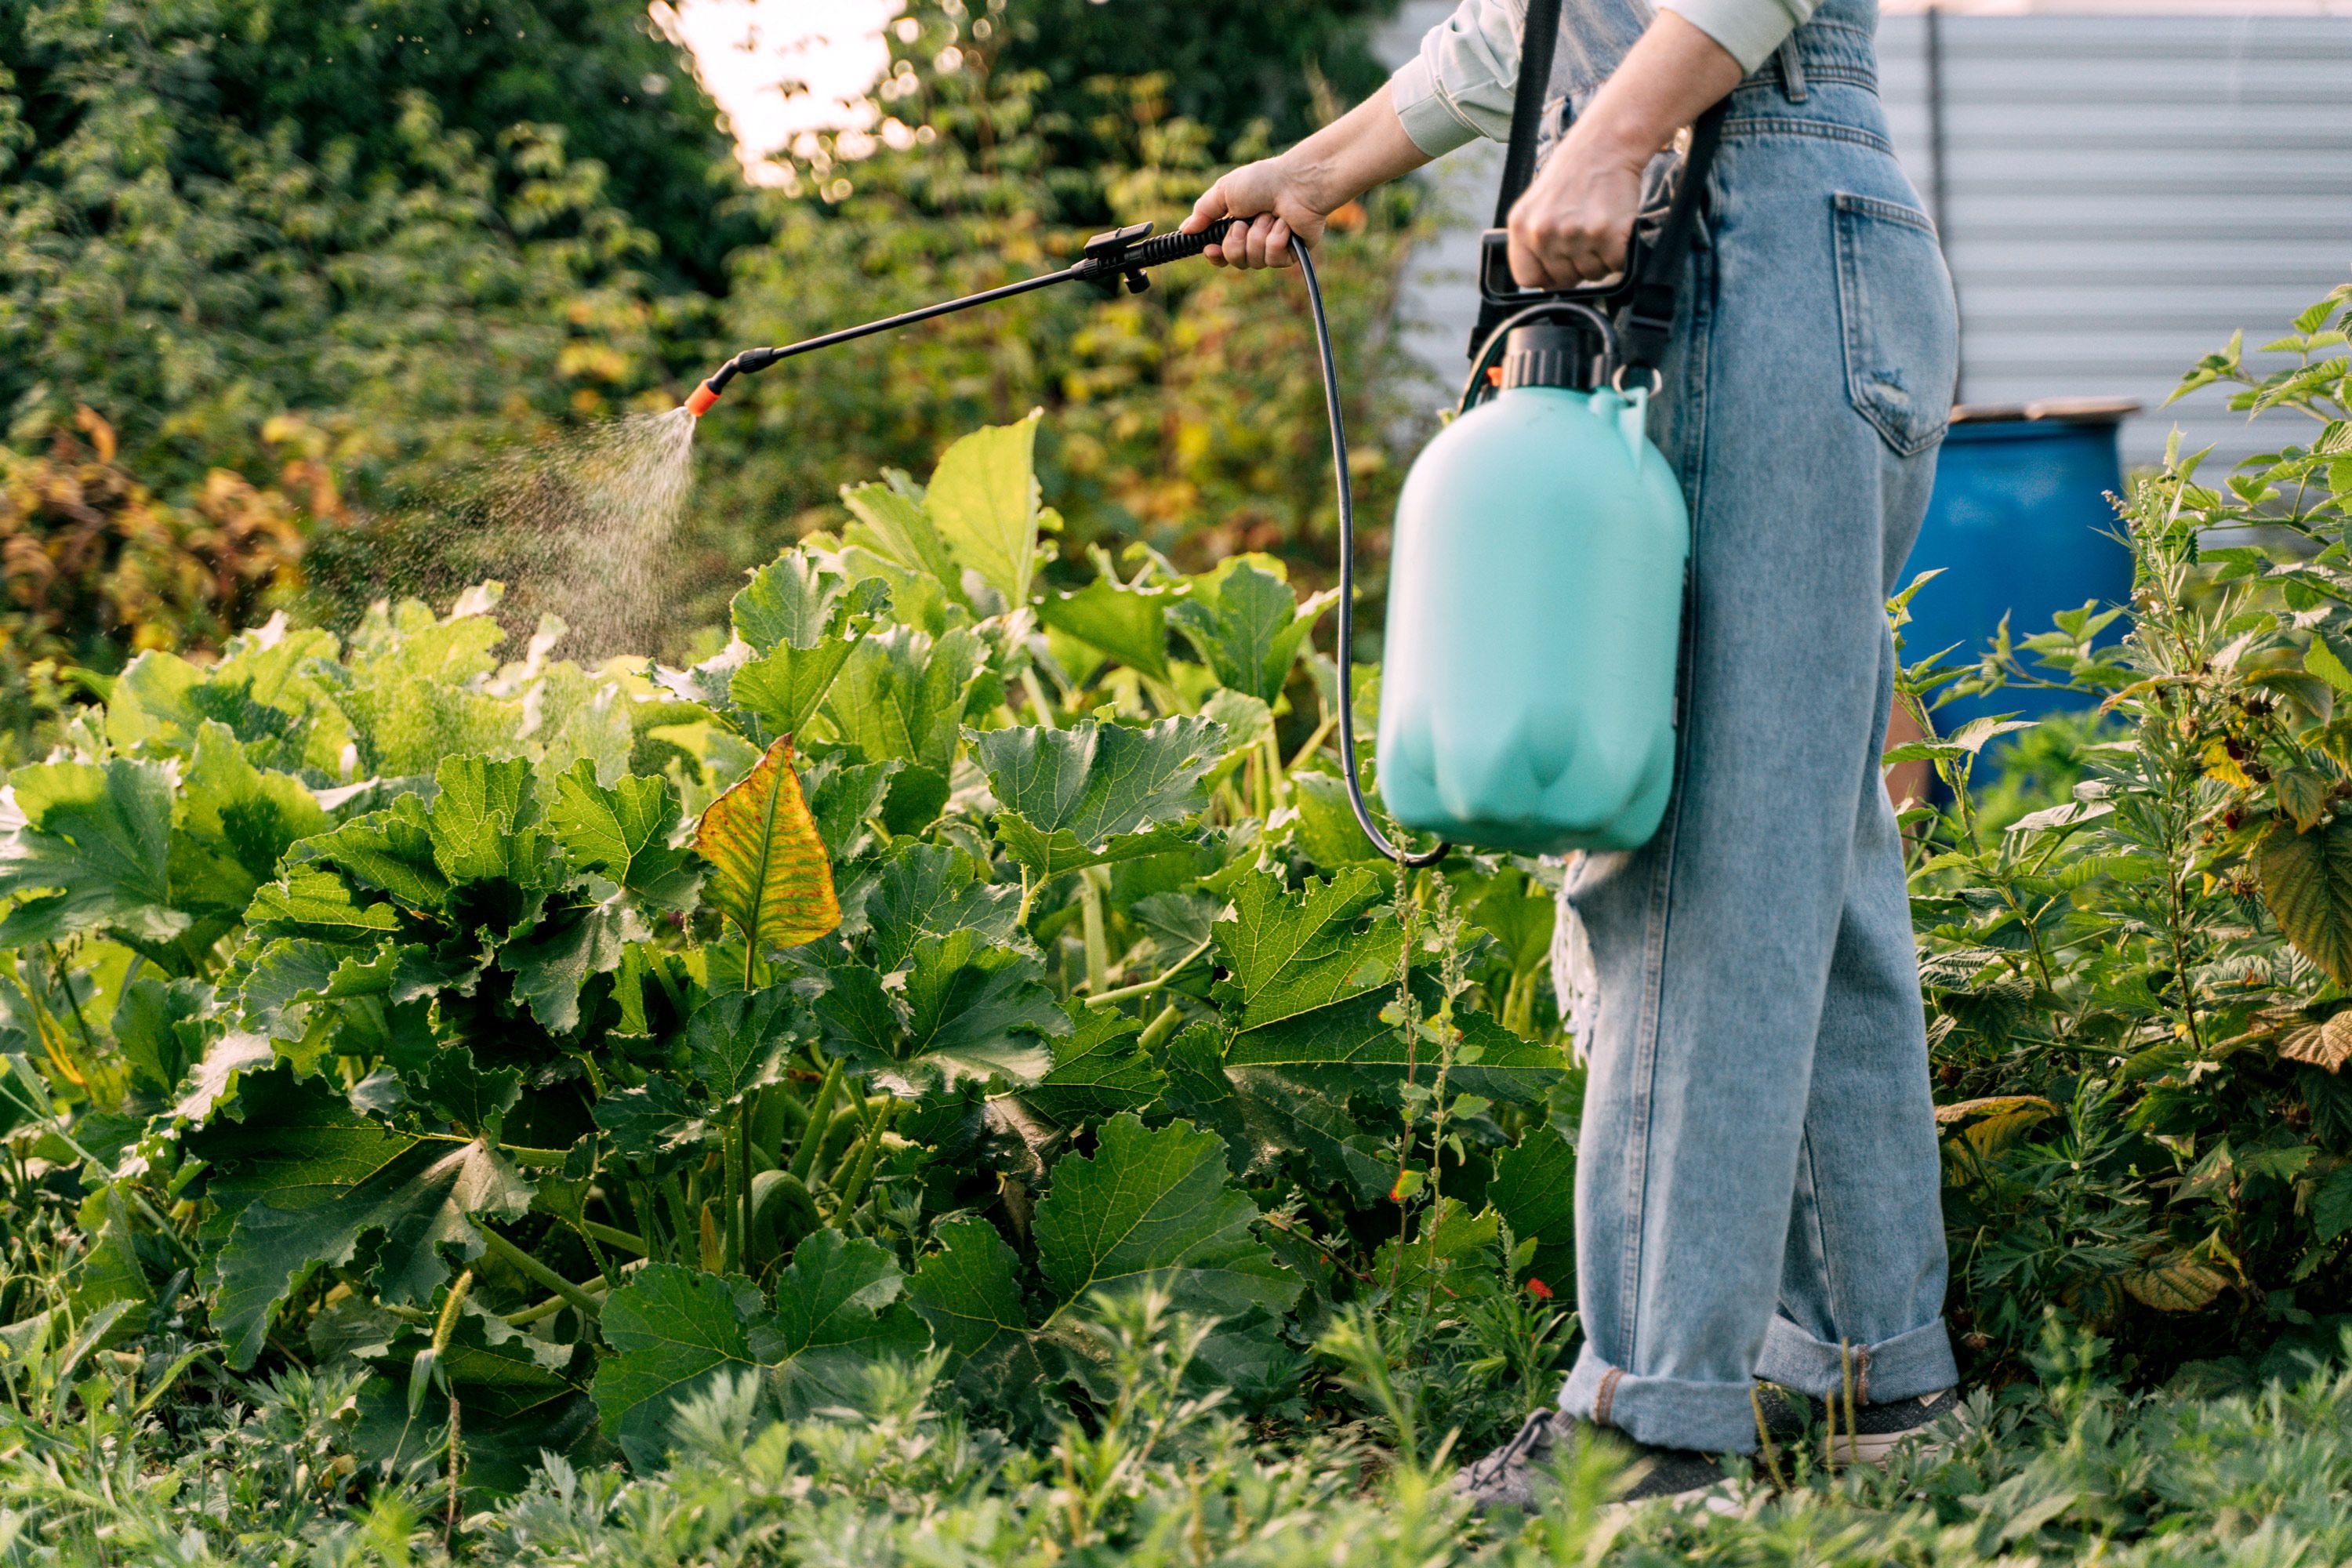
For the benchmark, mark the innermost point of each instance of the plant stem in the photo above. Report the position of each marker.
(615, 1237)
(1037, 703)
(1156, 1032)
(546, 1309)
(1090, 902)
(854, 1188)
(1146, 987)
(1314, 742)
(731, 1143)
(522, 1154)
(820, 1121)
(65, 984)
(530, 1267)
(743, 1177)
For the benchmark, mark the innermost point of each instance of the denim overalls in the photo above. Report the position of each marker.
(1758, 1179)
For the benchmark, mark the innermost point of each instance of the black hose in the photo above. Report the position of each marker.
(1347, 649)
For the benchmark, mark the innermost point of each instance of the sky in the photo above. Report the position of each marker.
(779, 68)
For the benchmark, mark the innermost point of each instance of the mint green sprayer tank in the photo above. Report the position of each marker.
(1534, 621)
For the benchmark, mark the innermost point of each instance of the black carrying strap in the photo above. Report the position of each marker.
(1538, 42)
(1645, 318)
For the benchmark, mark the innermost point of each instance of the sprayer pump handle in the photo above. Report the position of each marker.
(1119, 255)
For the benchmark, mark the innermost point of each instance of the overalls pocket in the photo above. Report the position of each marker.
(1895, 301)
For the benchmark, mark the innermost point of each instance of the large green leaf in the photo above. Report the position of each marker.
(1099, 1069)
(286, 973)
(1096, 793)
(391, 849)
(967, 1007)
(789, 603)
(485, 822)
(969, 1291)
(673, 1332)
(624, 833)
(1349, 1047)
(311, 901)
(574, 937)
(902, 694)
(1247, 624)
(891, 526)
(651, 1119)
(677, 1330)
(264, 688)
(1130, 625)
(982, 502)
(1288, 954)
(931, 889)
(2307, 883)
(1264, 1114)
(1533, 1188)
(837, 1313)
(232, 823)
(785, 687)
(736, 1042)
(91, 842)
(161, 1026)
(770, 873)
(413, 696)
(298, 1179)
(1156, 1206)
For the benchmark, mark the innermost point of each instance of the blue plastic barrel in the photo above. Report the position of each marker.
(2021, 524)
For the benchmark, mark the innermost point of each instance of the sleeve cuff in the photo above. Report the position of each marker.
(1749, 30)
(1433, 125)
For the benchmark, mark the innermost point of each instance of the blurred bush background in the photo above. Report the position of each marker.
(311, 266)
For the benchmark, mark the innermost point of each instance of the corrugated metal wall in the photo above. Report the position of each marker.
(2121, 192)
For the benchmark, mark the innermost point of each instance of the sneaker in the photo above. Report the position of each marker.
(1519, 1475)
(1879, 1430)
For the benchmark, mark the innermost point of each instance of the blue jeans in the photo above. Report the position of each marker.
(1758, 1179)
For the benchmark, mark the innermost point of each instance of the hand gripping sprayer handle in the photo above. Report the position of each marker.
(1116, 260)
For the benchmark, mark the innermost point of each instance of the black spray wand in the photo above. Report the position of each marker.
(1111, 262)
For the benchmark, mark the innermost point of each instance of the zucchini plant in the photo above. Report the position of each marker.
(947, 955)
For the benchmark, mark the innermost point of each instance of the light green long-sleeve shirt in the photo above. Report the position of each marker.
(1459, 86)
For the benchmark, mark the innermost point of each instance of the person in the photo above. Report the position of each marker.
(1758, 1176)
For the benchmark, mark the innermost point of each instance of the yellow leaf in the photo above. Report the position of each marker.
(2328, 1045)
(2178, 1284)
(1961, 1110)
(2219, 764)
(770, 875)
(100, 434)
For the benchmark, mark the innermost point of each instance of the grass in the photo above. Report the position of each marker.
(2070, 1469)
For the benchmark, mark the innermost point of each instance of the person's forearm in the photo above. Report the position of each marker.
(1671, 75)
(1365, 147)
(1570, 227)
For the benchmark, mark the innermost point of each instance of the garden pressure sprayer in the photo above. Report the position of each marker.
(1536, 583)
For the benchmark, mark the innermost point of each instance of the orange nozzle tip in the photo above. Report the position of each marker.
(699, 401)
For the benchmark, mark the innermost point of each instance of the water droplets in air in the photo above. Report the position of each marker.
(585, 522)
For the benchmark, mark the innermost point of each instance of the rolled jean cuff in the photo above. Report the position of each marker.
(1909, 1364)
(1664, 1412)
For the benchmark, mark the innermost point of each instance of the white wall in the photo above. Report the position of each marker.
(2122, 192)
